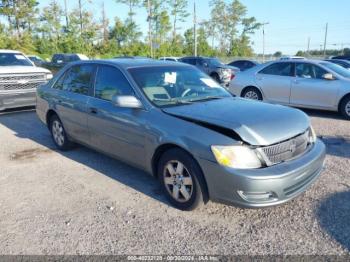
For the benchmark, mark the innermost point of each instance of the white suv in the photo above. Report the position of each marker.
(19, 78)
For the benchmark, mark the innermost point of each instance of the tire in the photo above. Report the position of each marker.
(252, 93)
(345, 107)
(59, 135)
(188, 179)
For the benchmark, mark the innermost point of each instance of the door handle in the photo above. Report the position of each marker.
(93, 110)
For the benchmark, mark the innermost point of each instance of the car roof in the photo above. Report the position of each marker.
(132, 63)
(10, 51)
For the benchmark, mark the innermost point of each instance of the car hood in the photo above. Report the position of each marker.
(22, 69)
(256, 123)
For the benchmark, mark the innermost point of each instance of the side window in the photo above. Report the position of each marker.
(110, 82)
(305, 70)
(59, 83)
(280, 69)
(78, 79)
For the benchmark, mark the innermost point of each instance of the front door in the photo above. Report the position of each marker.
(310, 89)
(115, 130)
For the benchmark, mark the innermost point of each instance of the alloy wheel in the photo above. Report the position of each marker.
(251, 95)
(58, 132)
(178, 181)
(347, 108)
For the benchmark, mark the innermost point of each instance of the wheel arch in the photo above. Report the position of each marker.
(49, 114)
(160, 150)
(341, 100)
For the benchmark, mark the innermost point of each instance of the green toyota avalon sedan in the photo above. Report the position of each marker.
(176, 123)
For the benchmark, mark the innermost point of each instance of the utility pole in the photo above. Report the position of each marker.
(66, 14)
(150, 27)
(308, 46)
(263, 27)
(325, 41)
(195, 29)
(104, 23)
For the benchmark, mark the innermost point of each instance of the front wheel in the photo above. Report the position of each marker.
(252, 93)
(181, 179)
(345, 107)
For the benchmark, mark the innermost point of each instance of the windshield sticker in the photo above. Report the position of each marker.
(20, 57)
(170, 78)
(210, 82)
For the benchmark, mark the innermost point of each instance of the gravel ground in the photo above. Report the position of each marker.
(81, 202)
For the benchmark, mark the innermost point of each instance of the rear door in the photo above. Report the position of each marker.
(275, 81)
(71, 97)
(115, 130)
(309, 88)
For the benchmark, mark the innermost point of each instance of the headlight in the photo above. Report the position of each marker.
(241, 157)
(49, 76)
(312, 135)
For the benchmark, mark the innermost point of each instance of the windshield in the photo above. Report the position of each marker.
(214, 62)
(338, 69)
(175, 85)
(14, 59)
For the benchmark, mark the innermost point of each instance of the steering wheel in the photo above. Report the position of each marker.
(188, 92)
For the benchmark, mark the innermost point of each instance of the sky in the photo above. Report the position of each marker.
(291, 22)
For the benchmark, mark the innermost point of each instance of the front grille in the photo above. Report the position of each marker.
(286, 150)
(21, 81)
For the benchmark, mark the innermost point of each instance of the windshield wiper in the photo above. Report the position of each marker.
(174, 101)
(207, 98)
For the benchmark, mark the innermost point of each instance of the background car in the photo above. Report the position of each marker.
(300, 83)
(342, 57)
(58, 61)
(169, 58)
(178, 124)
(211, 66)
(19, 78)
(37, 60)
(343, 63)
(244, 64)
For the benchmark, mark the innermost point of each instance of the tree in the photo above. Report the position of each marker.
(178, 11)
(277, 54)
(132, 4)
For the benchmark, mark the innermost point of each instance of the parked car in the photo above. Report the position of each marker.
(220, 72)
(343, 63)
(244, 64)
(19, 78)
(302, 83)
(176, 123)
(37, 60)
(292, 58)
(131, 57)
(58, 61)
(342, 57)
(169, 58)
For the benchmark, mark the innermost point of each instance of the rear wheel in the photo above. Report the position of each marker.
(252, 93)
(345, 107)
(181, 179)
(59, 135)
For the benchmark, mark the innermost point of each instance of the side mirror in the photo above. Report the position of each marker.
(127, 102)
(205, 64)
(328, 76)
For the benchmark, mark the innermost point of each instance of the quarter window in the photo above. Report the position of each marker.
(78, 79)
(305, 70)
(111, 82)
(280, 69)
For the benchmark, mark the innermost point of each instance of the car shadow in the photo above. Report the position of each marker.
(26, 125)
(333, 216)
(337, 145)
